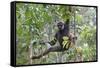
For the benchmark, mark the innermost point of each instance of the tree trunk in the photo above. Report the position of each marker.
(30, 46)
(30, 53)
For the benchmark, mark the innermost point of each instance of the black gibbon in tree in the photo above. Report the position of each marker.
(63, 36)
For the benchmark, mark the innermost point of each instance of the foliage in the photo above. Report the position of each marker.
(37, 22)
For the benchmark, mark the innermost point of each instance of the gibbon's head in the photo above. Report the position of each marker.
(60, 25)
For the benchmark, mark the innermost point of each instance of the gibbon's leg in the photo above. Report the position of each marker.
(51, 49)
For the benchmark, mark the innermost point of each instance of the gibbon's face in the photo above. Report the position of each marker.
(60, 25)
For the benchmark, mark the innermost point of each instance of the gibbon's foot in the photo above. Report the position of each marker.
(35, 57)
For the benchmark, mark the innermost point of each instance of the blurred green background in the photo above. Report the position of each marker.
(37, 22)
